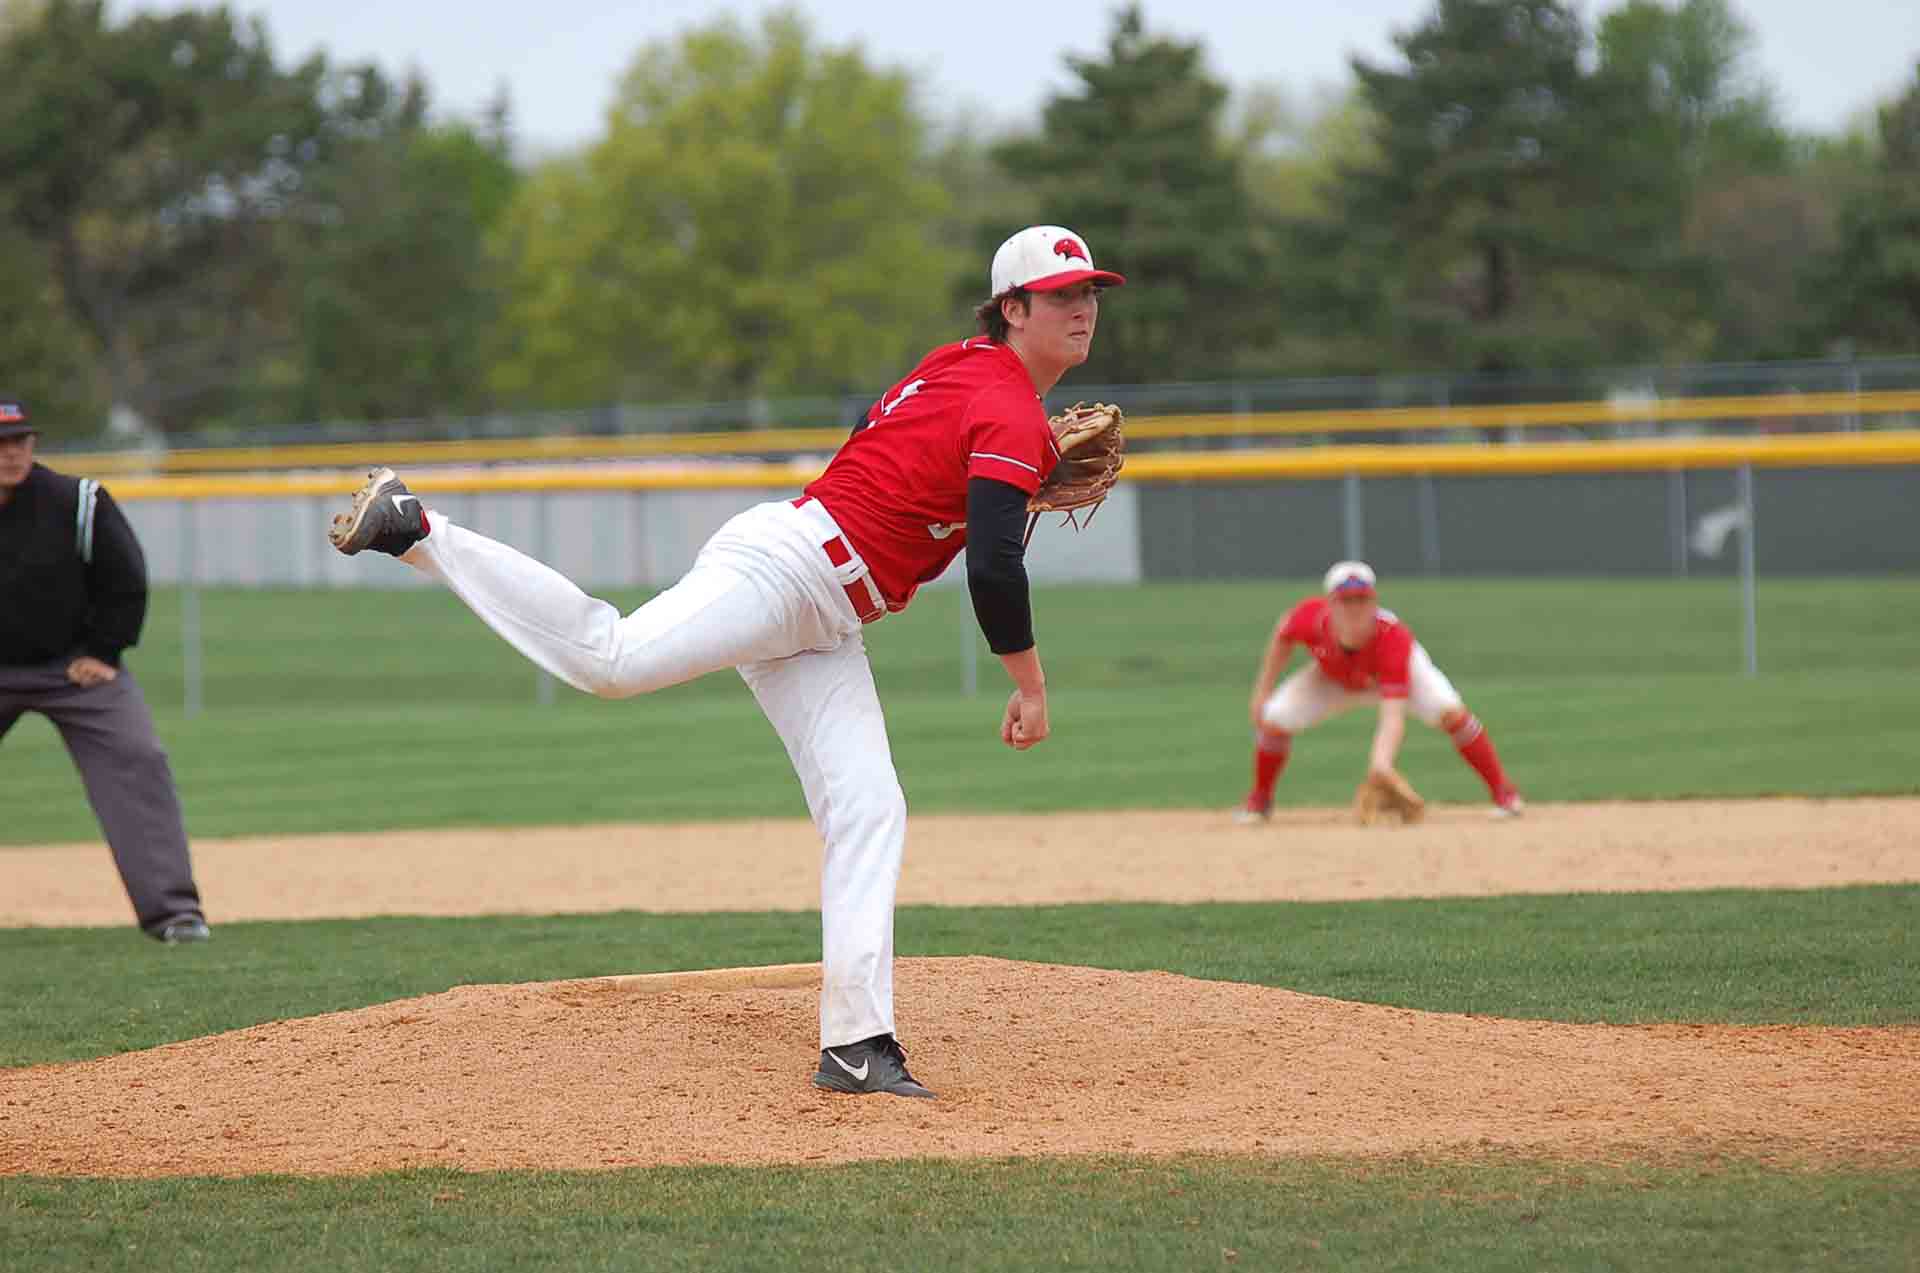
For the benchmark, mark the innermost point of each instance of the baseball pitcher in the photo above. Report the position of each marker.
(956, 456)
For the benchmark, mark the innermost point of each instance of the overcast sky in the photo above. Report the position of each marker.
(1826, 59)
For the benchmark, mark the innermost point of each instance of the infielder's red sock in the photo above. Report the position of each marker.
(1477, 750)
(1269, 758)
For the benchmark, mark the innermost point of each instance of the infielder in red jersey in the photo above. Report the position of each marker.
(1361, 654)
(943, 462)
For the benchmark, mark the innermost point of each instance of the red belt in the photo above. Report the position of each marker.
(862, 592)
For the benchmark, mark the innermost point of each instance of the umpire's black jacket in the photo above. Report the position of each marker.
(72, 578)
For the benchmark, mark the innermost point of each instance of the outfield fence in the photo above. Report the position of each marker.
(1592, 403)
(1736, 415)
(1838, 503)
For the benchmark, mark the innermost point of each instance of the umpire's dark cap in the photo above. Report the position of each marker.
(13, 417)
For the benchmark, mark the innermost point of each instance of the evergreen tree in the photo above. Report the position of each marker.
(1135, 159)
(1524, 214)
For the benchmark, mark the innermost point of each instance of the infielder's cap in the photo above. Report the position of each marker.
(1045, 258)
(13, 417)
(1350, 579)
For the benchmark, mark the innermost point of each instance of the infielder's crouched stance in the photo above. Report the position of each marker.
(1361, 654)
(947, 459)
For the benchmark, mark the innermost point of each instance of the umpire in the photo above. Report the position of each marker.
(73, 594)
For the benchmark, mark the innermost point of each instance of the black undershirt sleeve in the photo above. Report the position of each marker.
(997, 564)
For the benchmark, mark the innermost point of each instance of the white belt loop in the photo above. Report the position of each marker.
(878, 602)
(853, 569)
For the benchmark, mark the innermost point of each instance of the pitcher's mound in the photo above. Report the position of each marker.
(1028, 1059)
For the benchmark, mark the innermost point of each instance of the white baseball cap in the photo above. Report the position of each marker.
(1350, 579)
(1045, 258)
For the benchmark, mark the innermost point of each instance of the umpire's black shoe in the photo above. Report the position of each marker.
(180, 930)
(878, 1064)
(385, 517)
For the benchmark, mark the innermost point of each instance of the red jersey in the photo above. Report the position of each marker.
(898, 486)
(1379, 664)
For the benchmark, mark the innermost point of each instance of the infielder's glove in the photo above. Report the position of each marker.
(1092, 448)
(1384, 795)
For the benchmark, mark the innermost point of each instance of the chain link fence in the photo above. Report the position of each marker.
(1626, 386)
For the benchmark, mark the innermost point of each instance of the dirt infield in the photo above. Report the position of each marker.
(604, 1074)
(1028, 1059)
(1309, 855)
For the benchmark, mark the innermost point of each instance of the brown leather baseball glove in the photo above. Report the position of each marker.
(1387, 795)
(1092, 448)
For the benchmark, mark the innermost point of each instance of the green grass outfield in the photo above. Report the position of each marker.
(1842, 956)
(362, 711)
(979, 1217)
(1592, 689)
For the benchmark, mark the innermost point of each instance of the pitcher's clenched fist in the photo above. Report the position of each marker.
(1026, 720)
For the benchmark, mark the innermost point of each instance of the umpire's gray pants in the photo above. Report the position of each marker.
(109, 733)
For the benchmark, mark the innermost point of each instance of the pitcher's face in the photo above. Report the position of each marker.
(1059, 326)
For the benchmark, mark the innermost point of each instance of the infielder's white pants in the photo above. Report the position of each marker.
(1310, 696)
(761, 597)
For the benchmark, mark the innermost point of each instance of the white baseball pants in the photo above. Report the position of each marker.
(1310, 696)
(762, 597)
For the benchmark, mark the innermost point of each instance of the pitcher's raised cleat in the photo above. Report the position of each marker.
(385, 517)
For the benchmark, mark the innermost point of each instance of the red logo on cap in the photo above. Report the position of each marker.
(1070, 249)
(10, 413)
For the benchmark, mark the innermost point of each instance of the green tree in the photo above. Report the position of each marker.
(1900, 130)
(1524, 214)
(1292, 151)
(759, 219)
(1761, 232)
(1866, 292)
(985, 203)
(1137, 157)
(1755, 216)
(1329, 292)
(1691, 66)
(44, 355)
(393, 286)
(150, 160)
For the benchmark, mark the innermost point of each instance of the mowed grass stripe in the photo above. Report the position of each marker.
(1105, 1213)
(1151, 747)
(1592, 690)
(1828, 956)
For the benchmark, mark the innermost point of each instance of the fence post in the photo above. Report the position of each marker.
(192, 692)
(1354, 526)
(1677, 519)
(1428, 503)
(969, 648)
(1748, 604)
(1426, 499)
